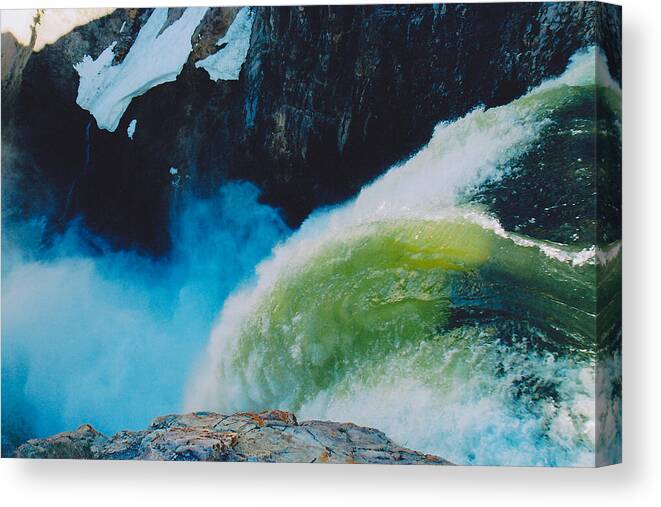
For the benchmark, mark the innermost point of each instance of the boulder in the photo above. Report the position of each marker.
(274, 436)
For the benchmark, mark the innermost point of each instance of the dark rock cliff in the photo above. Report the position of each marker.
(327, 99)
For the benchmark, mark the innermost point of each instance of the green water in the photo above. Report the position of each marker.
(393, 285)
(453, 303)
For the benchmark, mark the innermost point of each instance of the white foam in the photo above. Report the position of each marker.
(423, 408)
(606, 255)
(586, 67)
(553, 250)
(609, 410)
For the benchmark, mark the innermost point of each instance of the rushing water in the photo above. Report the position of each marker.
(452, 304)
(430, 310)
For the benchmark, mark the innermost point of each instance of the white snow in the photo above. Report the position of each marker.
(106, 90)
(173, 171)
(226, 63)
(122, 28)
(131, 130)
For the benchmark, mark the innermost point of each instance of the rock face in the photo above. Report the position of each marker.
(272, 436)
(328, 97)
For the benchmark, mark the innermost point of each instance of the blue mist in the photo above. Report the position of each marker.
(110, 339)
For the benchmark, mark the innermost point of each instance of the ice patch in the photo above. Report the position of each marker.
(227, 62)
(106, 90)
(131, 130)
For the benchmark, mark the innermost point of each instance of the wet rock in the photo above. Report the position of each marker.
(273, 436)
(83, 443)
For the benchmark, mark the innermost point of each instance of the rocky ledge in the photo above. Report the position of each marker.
(274, 436)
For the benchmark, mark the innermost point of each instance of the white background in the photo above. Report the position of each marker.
(636, 482)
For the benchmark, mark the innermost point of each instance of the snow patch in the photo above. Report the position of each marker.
(131, 130)
(227, 62)
(106, 90)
